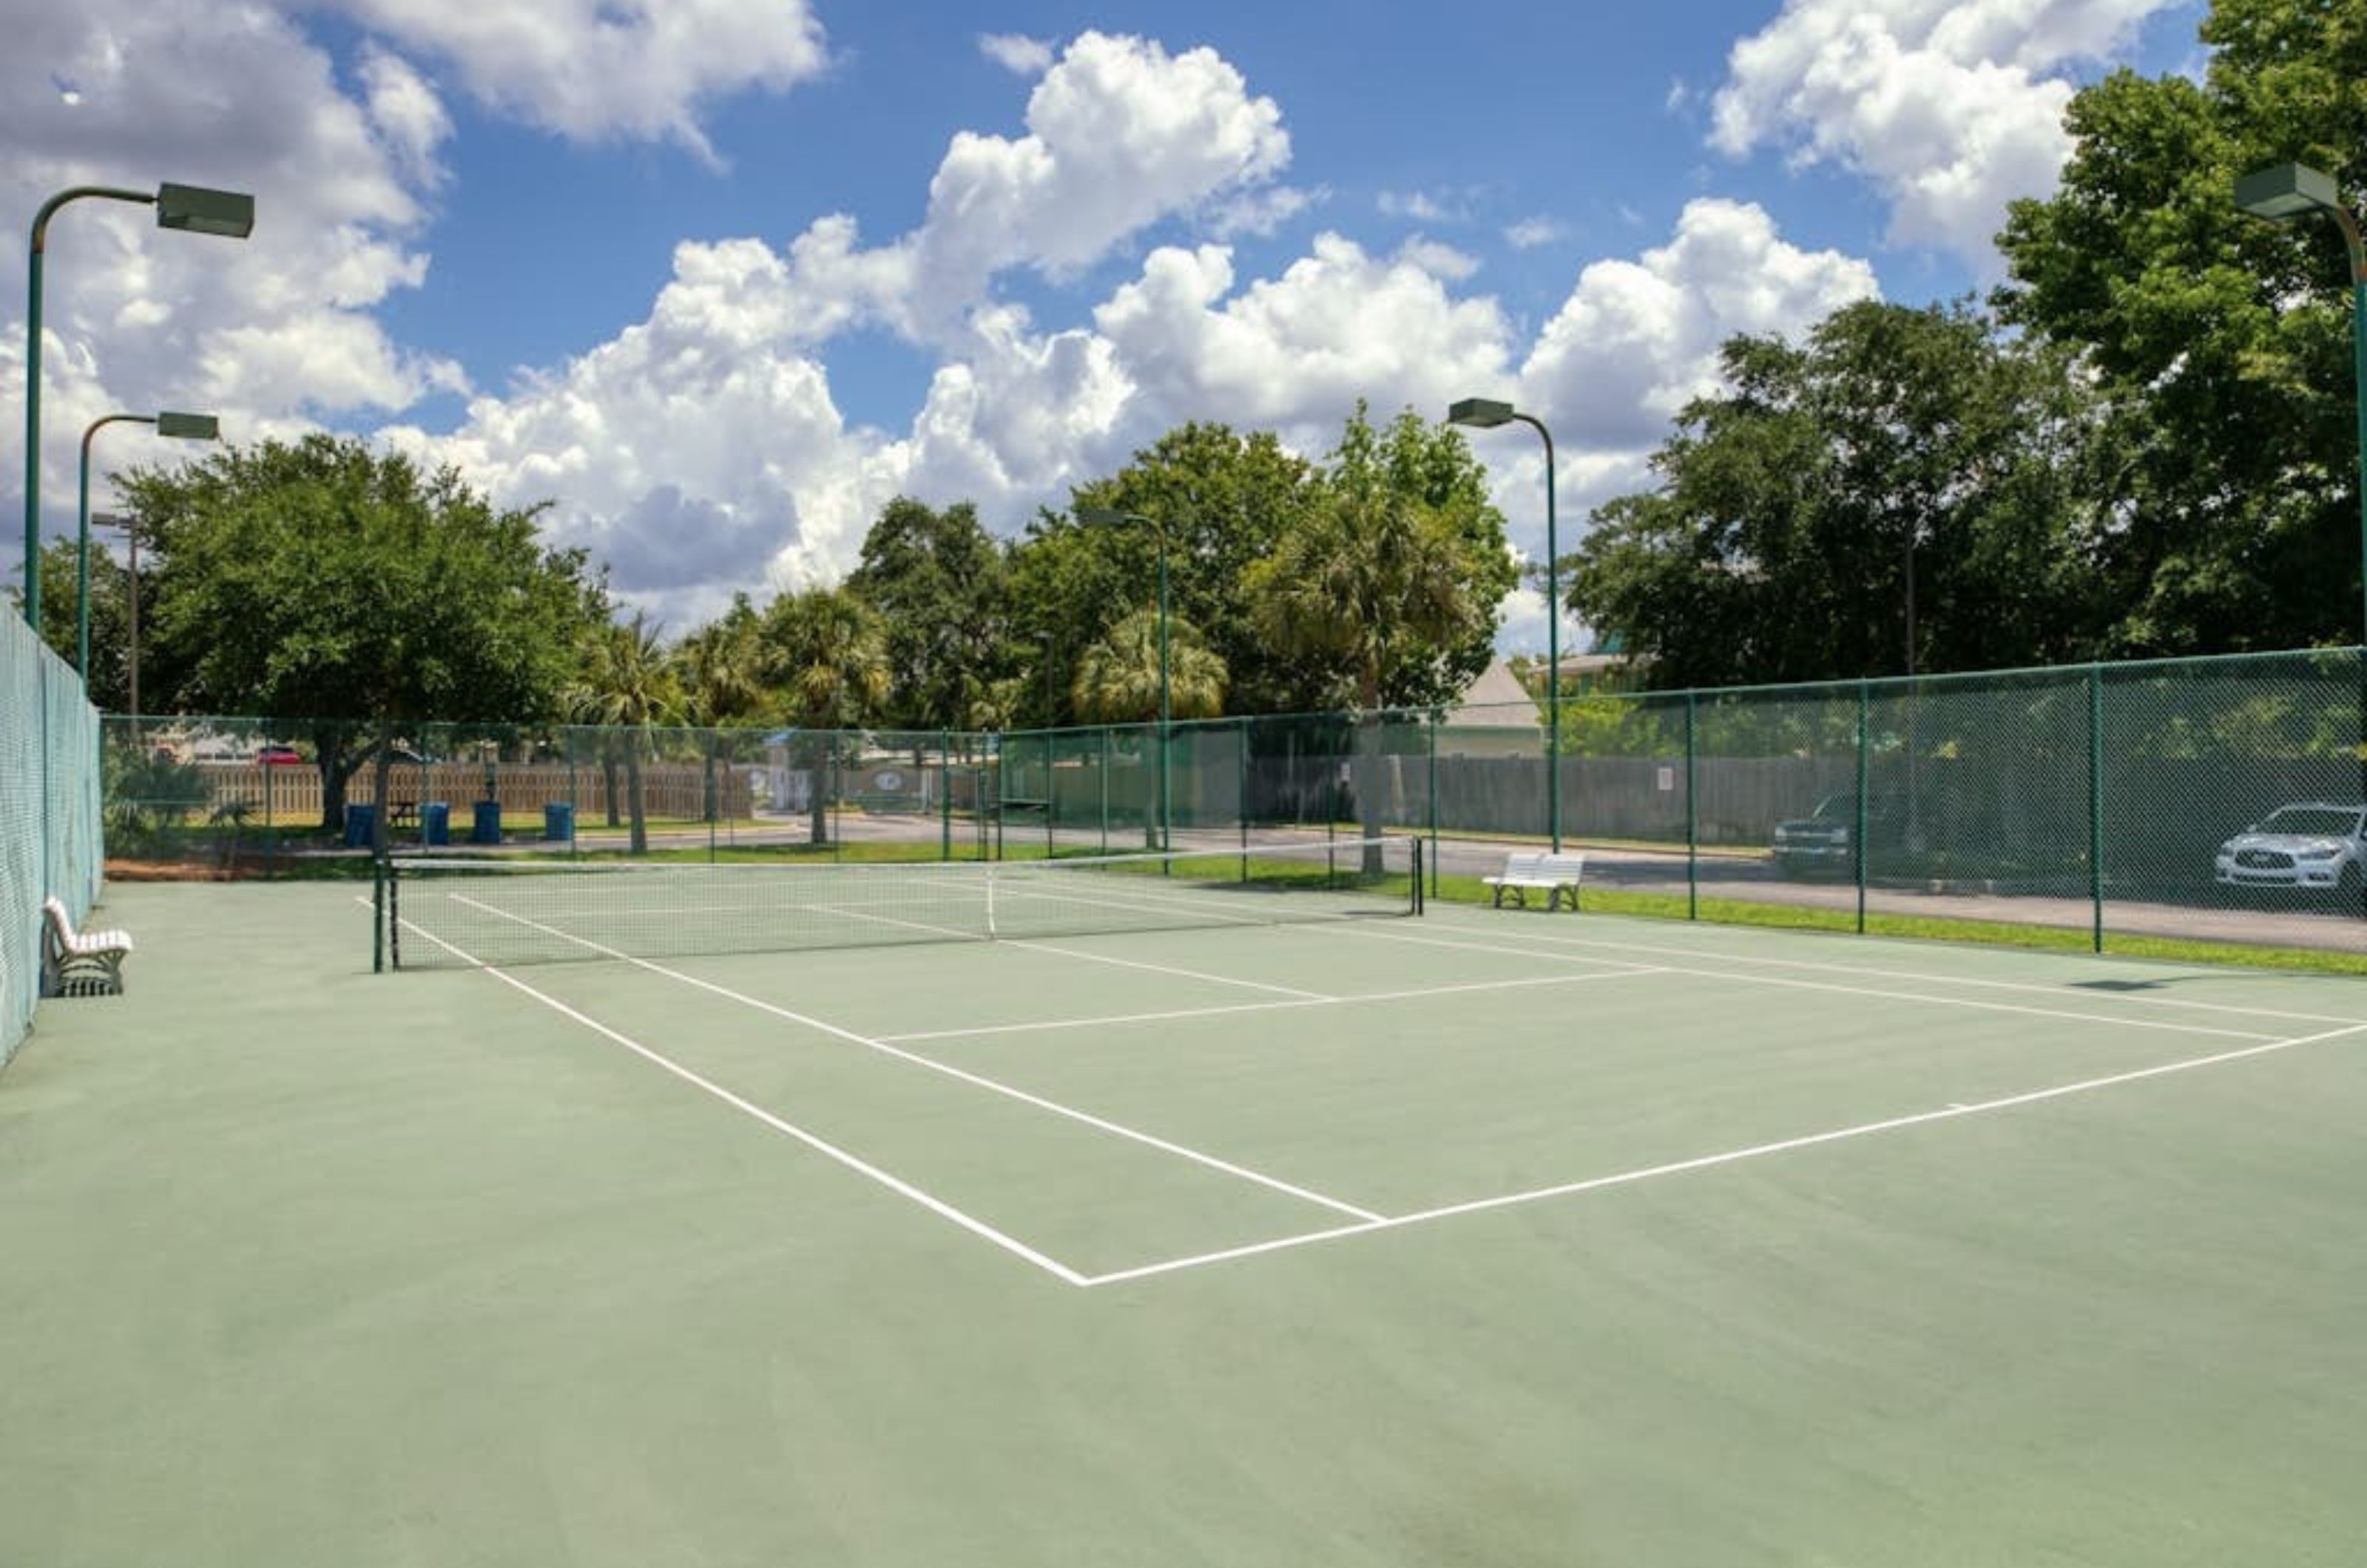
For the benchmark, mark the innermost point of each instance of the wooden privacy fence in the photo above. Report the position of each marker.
(292, 792)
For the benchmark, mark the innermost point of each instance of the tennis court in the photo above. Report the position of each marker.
(1481, 1236)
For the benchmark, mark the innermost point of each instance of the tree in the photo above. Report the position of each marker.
(1223, 499)
(110, 620)
(1117, 680)
(325, 584)
(627, 683)
(1391, 580)
(1903, 466)
(935, 580)
(1386, 586)
(2227, 339)
(825, 651)
(724, 684)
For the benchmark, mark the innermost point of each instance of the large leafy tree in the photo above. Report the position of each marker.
(1897, 457)
(2227, 337)
(111, 624)
(328, 584)
(1222, 499)
(1383, 590)
(935, 580)
(1387, 586)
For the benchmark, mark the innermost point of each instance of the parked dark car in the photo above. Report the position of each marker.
(1818, 843)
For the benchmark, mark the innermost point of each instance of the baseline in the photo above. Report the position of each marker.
(1729, 1156)
(1839, 989)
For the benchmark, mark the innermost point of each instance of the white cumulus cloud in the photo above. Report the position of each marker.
(600, 70)
(1016, 53)
(1952, 110)
(262, 332)
(1638, 339)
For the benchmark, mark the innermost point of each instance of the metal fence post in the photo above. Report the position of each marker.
(2096, 805)
(1693, 810)
(1431, 742)
(1857, 830)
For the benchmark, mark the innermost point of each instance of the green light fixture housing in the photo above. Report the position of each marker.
(199, 210)
(190, 426)
(1479, 413)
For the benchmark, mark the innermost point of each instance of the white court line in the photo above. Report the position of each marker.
(1729, 1156)
(895, 1184)
(1658, 951)
(1171, 969)
(1786, 981)
(1034, 946)
(977, 1080)
(1178, 1014)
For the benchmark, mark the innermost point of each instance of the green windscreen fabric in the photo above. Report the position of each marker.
(49, 839)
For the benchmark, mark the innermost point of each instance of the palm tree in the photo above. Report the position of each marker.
(1374, 581)
(825, 651)
(723, 667)
(1117, 680)
(626, 680)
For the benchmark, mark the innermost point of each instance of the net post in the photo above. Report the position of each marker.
(393, 914)
(1416, 841)
(377, 915)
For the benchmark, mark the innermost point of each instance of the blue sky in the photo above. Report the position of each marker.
(720, 278)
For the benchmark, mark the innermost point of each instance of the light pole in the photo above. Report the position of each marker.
(181, 426)
(1486, 414)
(131, 527)
(2295, 190)
(1111, 517)
(193, 208)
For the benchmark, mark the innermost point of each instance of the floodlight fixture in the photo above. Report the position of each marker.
(181, 426)
(1488, 413)
(195, 209)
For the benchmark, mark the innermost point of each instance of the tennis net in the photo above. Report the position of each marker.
(493, 913)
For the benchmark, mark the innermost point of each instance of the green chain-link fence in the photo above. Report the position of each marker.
(49, 812)
(2094, 799)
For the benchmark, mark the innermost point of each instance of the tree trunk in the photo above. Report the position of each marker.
(640, 834)
(608, 778)
(1367, 772)
(818, 793)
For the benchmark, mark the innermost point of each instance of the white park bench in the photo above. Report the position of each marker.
(1554, 875)
(79, 964)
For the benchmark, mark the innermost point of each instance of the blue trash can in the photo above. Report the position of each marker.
(435, 822)
(488, 827)
(559, 821)
(361, 822)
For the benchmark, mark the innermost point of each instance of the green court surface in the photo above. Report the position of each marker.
(1479, 1239)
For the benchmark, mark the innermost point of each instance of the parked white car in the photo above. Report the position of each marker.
(2308, 844)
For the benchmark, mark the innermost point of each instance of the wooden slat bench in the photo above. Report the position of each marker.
(79, 964)
(1525, 871)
